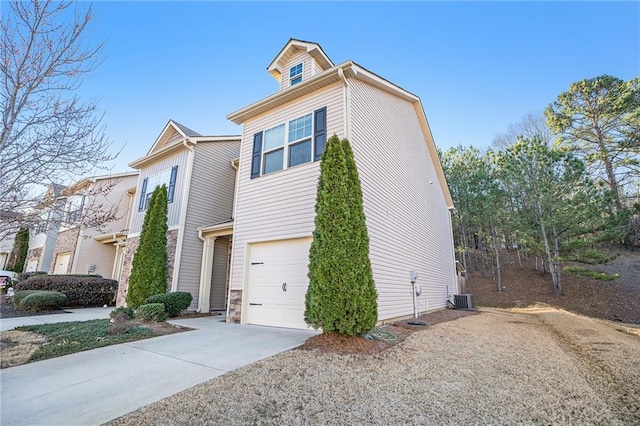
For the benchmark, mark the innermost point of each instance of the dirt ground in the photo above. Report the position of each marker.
(617, 300)
(537, 365)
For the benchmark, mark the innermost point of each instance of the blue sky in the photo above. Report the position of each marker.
(477, 67)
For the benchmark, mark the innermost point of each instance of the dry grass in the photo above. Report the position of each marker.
(16, 347)
(537, 366)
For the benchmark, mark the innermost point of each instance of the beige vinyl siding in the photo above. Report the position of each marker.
(219, 275)
(281, 204)
(181, 160)
(407, 216)
(93, 252)
(210, 202)
(307, 67)
(316, 68)
(90, 250)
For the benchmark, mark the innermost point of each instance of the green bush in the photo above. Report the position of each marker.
(151, 312)
(591, 257)
(174, 303)
(341, 296)
(43, 300)
(149, 266)
(18, 254)
(24, 275)
(124, 311)
(81, 290)
(580, 270)
(19, 295)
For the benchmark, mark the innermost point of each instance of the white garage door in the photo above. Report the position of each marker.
(62, 263)
(32, 265)
(278, 282)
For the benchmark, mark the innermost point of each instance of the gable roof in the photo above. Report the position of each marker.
(169, 131)
(293, 45)
(84, 182)
(54, 191)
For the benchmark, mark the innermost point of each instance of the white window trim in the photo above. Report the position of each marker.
(286, 145)
(149, 190)
(299, 75)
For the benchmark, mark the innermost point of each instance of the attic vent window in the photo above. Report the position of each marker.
(295, 74)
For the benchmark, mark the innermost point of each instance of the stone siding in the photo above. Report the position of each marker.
(129, 252)
(235, 306)
(34, 253)
(172, 243)
(123, 282)
(66, 242)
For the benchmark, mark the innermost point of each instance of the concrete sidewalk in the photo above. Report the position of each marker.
(96, 386)
(81, 314)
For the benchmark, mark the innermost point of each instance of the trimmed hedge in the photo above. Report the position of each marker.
(151, 312)
(81, 290)
(123, 310)
(19, 295)
(43, 300)
(24, 275)
(174, 303)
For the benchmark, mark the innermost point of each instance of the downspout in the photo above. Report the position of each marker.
(453, 254)
(346, 104)
(183, 215)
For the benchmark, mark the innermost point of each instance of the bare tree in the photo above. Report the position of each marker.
(48, 135)
(531, 125)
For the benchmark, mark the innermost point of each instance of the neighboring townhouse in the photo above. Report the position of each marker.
(93, 226)
(50, 212)
(200, 175)
(405, 195)
(7, 235)
(6, 245)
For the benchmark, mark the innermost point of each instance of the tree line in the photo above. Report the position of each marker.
(552, 186)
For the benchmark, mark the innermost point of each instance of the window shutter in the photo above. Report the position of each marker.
(257, 154)
(142, 194)
(320, 132)
(172, 184)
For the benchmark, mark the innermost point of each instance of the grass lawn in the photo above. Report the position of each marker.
(70, 337)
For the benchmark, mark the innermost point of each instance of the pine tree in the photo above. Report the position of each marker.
(19, 252)
(149, 266)
(341, 296)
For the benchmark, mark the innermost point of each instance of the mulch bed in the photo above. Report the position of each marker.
(335, 343)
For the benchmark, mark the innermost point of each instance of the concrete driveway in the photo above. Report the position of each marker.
(96, 386)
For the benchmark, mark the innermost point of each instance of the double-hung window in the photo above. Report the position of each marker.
(299, 141)
(149, 184)
(295, 74)
(292, 143)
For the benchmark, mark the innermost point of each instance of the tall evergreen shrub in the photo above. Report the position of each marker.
(149, 266)
(18, 253)
(341, 296)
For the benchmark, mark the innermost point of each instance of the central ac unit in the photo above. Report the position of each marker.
(464, 301)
